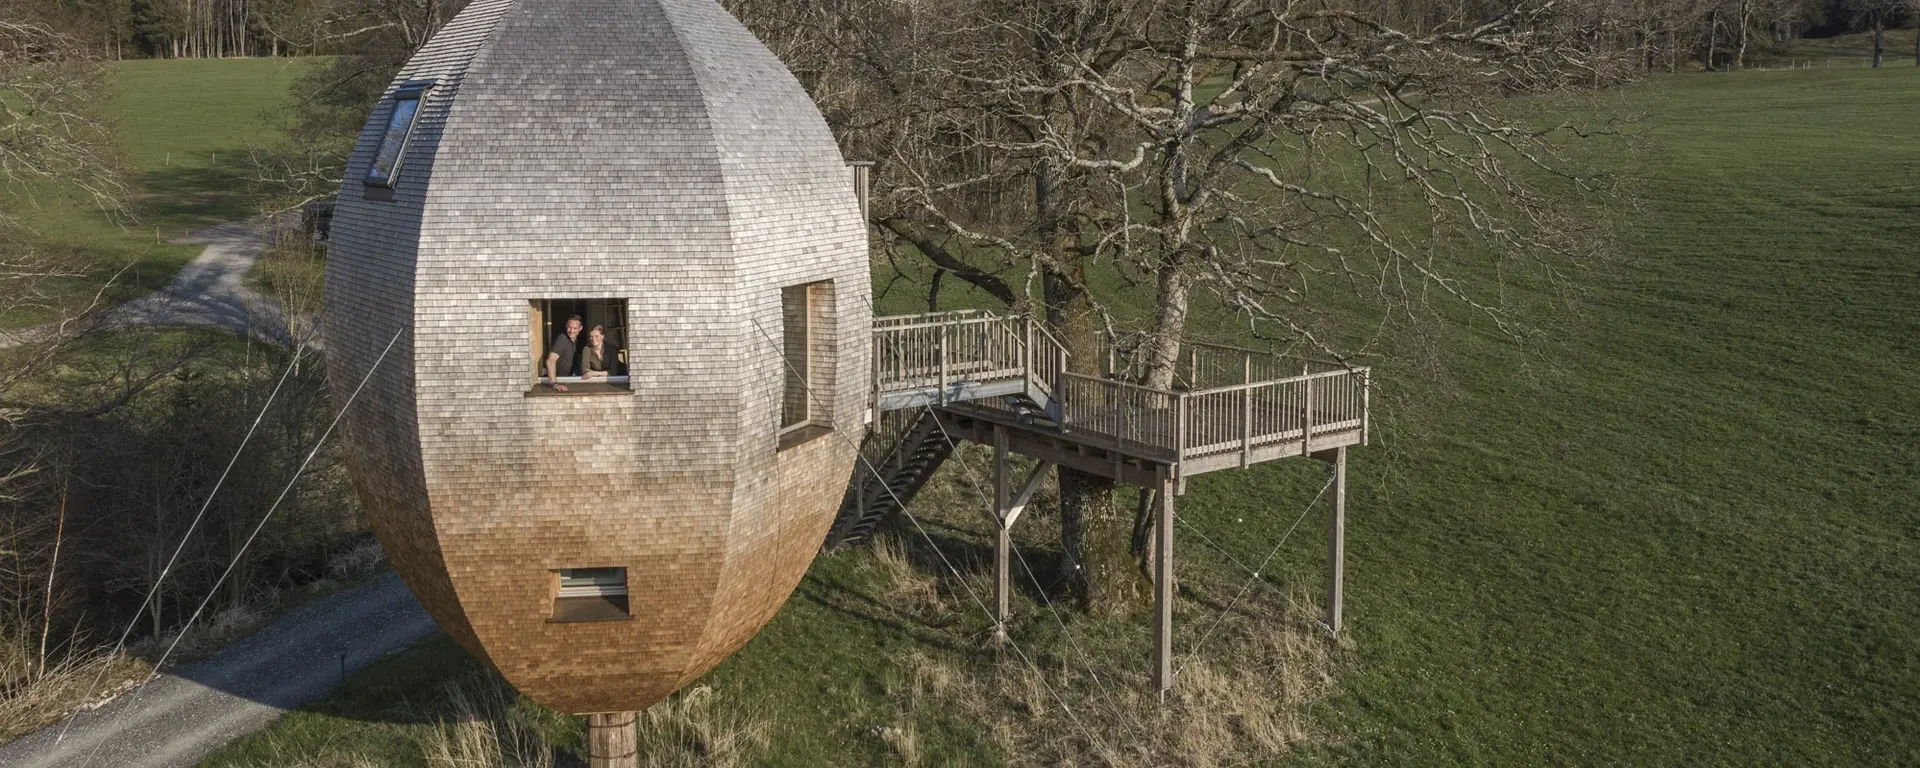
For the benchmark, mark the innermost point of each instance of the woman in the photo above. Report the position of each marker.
(598, 358)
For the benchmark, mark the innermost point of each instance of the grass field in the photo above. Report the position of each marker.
(1696, 538)
(1685, 531)
(183, 128)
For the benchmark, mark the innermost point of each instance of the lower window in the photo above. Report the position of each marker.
(590, 594)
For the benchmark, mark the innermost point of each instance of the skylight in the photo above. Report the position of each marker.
(393, 144)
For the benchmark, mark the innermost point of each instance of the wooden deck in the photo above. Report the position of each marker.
(1230, 408)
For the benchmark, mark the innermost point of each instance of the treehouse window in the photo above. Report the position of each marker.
(590, 594)
(393, 142)
(807, 350)
(561, 362)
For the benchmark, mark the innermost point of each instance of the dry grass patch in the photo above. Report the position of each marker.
(488, 725)
(32, 698)
(694, 729)
(1242, 698)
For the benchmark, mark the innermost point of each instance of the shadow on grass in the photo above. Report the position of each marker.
(188, 198)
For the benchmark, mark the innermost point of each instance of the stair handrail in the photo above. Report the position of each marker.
(1052, 356)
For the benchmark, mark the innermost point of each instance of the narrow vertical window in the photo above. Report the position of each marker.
(808, 350)
(794, 344)
(393, 142)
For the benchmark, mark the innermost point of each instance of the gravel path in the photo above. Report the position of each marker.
(211, 290)
(186, 713)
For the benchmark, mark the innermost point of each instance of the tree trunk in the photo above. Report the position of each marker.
(1095, 532)
(1879, 40)
(53, 570)
(1713, 37)
(1740, 55)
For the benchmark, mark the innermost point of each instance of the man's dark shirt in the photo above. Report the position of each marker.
(569, 362)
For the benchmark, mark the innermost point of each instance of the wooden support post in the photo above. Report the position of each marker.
(1163, 588)
(1337, 539)
(1003, 539)
(612, 741)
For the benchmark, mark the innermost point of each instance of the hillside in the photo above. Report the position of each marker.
(183, 127)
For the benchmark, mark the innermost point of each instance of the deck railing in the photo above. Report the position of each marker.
(1247, 417)
(940, 351)
(1225, 399)
(1241, 418)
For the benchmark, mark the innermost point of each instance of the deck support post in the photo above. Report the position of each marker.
(612, 741)
(1008, 503)
(1163, 587)
(1003, 532)
(1336, 460)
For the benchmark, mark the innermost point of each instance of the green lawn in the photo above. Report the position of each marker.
(183, 128)
(1683, 531)
(1696, 537)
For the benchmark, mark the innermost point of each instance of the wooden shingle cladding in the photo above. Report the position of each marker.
(645, 150)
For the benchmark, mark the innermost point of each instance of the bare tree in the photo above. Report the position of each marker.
(1108, 164)
(52, 137)
(1876, 15)
(330, 104)
(51, 129)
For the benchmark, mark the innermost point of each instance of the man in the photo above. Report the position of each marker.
(564, 351)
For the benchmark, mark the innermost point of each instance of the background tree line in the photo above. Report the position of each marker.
(124, 29)
(1667, 34)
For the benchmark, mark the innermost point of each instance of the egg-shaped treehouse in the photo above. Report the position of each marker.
(603, 272)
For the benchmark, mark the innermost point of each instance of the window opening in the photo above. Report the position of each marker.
(578, 364)
(590, 594)
(808, 351)
(793, 345)
(393, 142)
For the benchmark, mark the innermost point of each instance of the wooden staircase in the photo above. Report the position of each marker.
(900, 454)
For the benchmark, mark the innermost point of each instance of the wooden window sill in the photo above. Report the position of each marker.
(582, 388)
(803, 434)
(571, 609)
